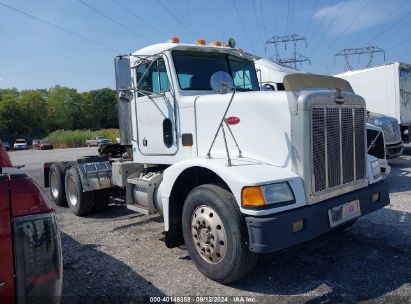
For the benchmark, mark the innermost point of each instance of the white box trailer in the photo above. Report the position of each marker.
(387, 90)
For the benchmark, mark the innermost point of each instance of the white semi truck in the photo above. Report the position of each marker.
(387, 90)
(233, 170)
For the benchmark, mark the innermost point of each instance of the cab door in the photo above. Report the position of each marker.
(156, 121)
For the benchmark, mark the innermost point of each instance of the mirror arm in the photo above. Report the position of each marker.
(221, 125)
(144, 74)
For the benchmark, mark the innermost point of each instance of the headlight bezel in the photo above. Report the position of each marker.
(269, 203)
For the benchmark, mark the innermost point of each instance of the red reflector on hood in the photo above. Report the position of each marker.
(232, 120)
(339, 100)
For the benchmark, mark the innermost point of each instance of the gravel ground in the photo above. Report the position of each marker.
(120, 255)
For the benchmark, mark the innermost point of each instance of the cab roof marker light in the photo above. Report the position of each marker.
(174, 40)
(200, 42)
(215, 43)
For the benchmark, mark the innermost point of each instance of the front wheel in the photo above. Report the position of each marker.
(215, 234)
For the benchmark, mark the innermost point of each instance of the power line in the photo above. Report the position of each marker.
(178, 19)
(301, 9)
(258, 22)
(262, 16)
(292, 17)
(114, 21)
(349, 26)
(322, 19)
(390, 27)
(328, 27)
(311, 18)
(275, 18)
(184, 17)
(139, 18)
(60, 28)
(398, 44)
(243, 26)
(286, 20)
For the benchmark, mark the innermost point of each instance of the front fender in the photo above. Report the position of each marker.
(243, 172)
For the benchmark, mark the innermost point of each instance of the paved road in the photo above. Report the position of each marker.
(118, 254)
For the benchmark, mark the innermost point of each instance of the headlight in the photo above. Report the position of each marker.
(376, 169)
(267, 195)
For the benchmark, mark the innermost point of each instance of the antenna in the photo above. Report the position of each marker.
(370, 50)
(296, 57)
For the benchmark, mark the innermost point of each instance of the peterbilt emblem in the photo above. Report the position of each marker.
(339, 100)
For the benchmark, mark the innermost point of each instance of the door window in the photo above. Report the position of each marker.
(154, 80)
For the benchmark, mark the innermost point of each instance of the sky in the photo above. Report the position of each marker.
(79, 53)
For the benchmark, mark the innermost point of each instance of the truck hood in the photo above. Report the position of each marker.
(263, 125)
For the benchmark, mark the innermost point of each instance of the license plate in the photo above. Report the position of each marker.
(344, 213)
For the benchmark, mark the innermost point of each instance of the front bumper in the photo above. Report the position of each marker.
(394, 151)
(19, 147)
(275, 232)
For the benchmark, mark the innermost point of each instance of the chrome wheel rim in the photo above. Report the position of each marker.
(208, 234)
(54, 184)
(72, 191)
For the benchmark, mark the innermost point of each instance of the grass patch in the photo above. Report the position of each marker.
(77, 138)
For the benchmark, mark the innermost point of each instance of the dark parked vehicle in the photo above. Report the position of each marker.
(6, 145)
(31, 268)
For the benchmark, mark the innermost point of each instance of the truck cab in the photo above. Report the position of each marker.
(233, 170)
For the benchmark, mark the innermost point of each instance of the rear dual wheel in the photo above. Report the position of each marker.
(82, 203)
(57, 183)
(215, 234)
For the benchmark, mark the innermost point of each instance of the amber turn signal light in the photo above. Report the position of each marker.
(252, 197)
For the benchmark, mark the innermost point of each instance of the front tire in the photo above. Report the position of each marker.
(215, 234)
(80, 203)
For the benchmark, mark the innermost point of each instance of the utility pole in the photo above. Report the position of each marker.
(296, 57)
(370, 50)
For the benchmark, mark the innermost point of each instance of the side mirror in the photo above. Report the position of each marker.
(221, 82)
(123, 73)
(267, 87)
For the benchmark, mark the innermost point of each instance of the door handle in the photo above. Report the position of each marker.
(2, 284)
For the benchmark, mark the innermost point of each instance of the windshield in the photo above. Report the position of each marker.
(100, 137)
(194, 70)
(44, 142)
(20, 141)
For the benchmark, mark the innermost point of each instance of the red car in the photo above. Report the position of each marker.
(31, 268)
(43, 145)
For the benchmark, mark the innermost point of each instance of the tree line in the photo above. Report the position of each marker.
(33, 114)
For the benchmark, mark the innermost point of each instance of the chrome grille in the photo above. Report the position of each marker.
(338, 146)
(391, 130)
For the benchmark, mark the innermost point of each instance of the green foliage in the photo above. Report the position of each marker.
(32, 114)
(77, 138)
